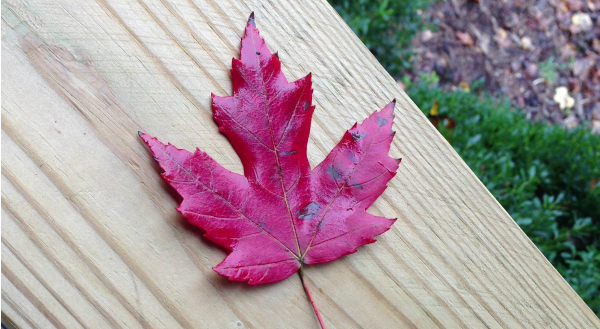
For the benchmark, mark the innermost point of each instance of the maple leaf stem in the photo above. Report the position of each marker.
(312, 301)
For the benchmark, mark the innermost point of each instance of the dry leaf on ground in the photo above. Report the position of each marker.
(464, 38)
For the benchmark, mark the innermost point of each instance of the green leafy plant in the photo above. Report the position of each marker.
(385, 27)
(430, 79)
(549, 69)
(542, 175)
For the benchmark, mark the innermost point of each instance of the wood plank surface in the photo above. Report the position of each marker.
(90, 235)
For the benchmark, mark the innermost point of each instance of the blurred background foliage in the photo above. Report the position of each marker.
(546, 176)
(385, 27)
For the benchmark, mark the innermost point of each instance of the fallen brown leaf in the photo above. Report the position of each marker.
(567, 51)
(575, 5)
(581, 67)
(595, 75)
(596, 45)
(501, 38)
(464, 38)
(531, 69)
(574, 84)
(594, 182)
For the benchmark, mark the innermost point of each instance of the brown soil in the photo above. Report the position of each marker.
(524, 49)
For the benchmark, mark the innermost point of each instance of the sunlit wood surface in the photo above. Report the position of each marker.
(90, 235)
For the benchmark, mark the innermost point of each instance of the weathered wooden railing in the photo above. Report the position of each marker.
(90, 235)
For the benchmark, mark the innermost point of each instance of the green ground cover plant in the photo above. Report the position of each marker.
(545, 176)
(385, 27)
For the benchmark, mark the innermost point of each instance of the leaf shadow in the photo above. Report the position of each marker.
(224, 285)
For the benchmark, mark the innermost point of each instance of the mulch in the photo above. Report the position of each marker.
(523, 49)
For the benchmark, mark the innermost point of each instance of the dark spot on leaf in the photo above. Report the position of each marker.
(280, 171)
(306, 105)
(309, 211)
(352, 156)
(261, 224)
(155, 158)
(289, 152)
(358, 136)
(322, 223)
(335, 174)
(273, 176)
(357, 186)
(258, 52)
(381, 121)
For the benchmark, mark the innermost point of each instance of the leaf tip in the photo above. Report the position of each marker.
(144, 137)
(388, 110)
(251, 20)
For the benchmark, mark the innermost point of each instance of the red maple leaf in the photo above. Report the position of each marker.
(280, 214)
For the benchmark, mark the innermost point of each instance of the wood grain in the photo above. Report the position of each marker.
(90, 235)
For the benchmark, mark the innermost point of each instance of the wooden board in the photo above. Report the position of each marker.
(90, 235)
